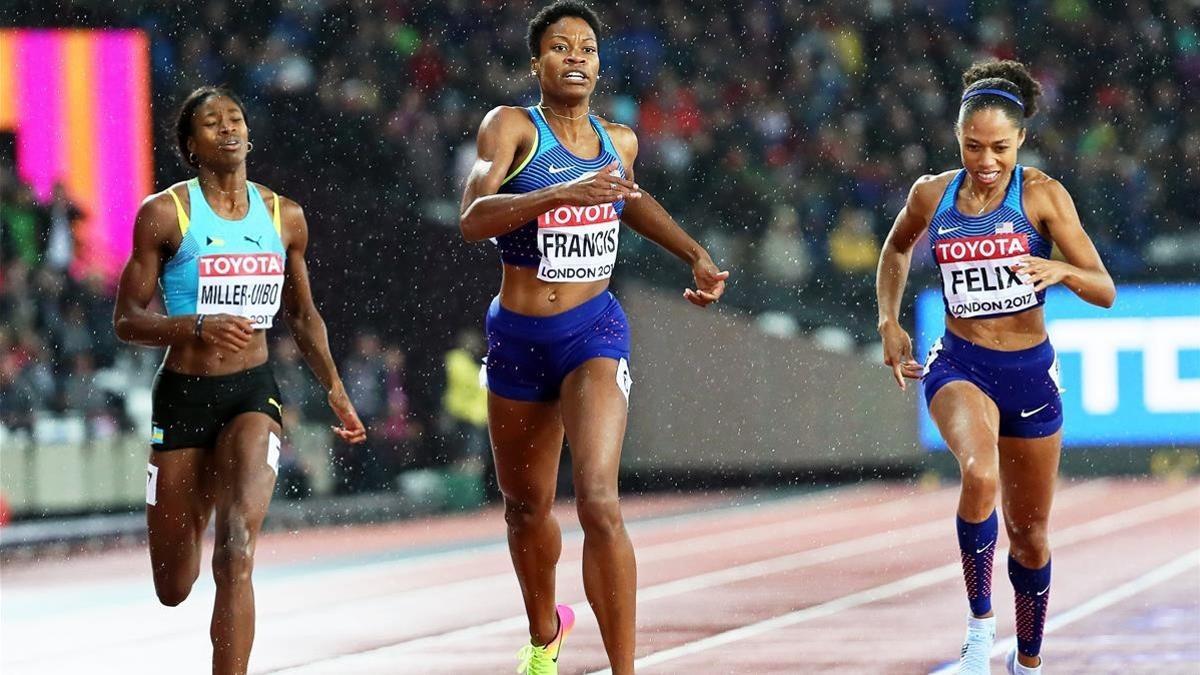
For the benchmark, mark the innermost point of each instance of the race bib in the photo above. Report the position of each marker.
(980, 275)
(243, 284)
(624, 379)
(578, 243)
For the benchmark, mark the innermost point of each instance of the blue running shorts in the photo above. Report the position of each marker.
(1023, 384)
(528, 356)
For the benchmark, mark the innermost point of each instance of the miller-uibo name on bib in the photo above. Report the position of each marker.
(243, 284)
(980, 274)
(578, 243)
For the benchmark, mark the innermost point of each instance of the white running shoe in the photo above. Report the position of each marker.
(977, 646)
(1015, 667)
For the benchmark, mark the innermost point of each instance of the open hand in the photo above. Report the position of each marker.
(606, 186)
(1042, 272)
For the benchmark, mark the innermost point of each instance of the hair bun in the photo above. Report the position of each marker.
(1010, 76)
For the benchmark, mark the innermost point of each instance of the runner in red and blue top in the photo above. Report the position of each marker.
(550, 186)
(991, 381)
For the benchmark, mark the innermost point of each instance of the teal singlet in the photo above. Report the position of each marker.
(226, 266)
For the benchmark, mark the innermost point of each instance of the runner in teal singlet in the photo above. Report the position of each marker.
(227, 253)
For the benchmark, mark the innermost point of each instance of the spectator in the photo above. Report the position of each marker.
(358, 468)
(300, 390)
(82, 396)
(23, 225)
(464, 406)
(397, 430)
(64, 217)
(853, 247)
(783, 260)
(17, 398)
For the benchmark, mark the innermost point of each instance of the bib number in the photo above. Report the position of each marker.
(578, 243)
(980, 275)
(247, 285)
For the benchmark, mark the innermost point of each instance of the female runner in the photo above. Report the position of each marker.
(550, 185)
(991, 381)
(227, 253)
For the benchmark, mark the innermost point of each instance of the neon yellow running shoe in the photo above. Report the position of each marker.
(537, 660)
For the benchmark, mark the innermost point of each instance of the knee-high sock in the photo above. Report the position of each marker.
(977, 542)
(1032, 588)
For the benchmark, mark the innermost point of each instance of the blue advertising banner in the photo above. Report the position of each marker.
(1131, 373)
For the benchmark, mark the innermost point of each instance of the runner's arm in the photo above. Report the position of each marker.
(303, 319)
(308, 328)
(895, 259)
(649, 219)
(1083, 271)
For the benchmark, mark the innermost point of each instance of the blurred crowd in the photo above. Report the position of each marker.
(784, 134)
(55, 333)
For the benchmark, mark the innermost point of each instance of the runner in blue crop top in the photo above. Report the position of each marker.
(550, 186)
(228, 254)
(991, 382)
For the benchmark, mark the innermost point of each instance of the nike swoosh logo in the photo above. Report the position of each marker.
(1031, 413)
(556, 169)
(1044, 591)
(944, 230)
(985, 548)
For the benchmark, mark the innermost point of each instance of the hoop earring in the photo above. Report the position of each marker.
(192, 158)
(249, 146)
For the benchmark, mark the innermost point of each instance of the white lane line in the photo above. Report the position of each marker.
(680, 548)
(1079, 533)
(790, 562)
(353, 571)
(423, 597)
(1160, 574)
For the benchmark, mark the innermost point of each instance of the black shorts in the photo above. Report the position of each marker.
(189, 411)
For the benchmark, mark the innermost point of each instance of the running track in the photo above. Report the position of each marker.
(853, 580)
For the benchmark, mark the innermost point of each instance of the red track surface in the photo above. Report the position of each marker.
(860, 580)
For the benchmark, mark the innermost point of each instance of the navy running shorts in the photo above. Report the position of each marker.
(528, 356)
(1023, 384)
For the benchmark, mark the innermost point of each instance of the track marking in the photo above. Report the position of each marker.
(785, 563)
(1079, 533)
(687, 545)
(353, 570)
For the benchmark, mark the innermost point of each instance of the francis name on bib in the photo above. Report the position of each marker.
(578, 243)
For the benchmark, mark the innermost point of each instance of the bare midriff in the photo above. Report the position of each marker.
(521, 291)
(197, 358)
(1003, 333)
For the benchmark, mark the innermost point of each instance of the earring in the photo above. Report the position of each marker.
(249, 146)
(192, 158)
